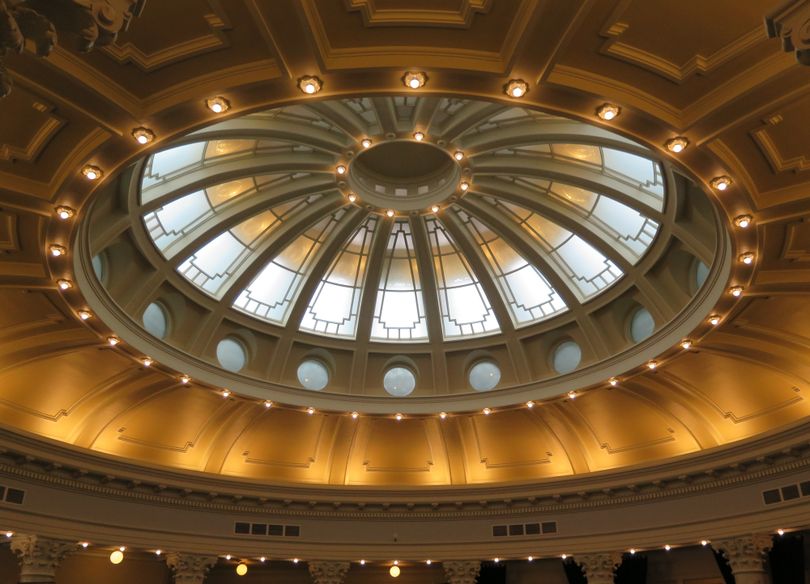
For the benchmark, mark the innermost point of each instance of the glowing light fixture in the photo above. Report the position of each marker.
(652, 364)
(704, 542)
(736, 291)
(64, 212)
(721, 183)
(459, 155)
(398, 417)
(516, 88)
(443, 415)
(572, 394)
(414, 79)
(85, 314)
(677, 144)
(747, 258)
(147, 362)
(116, 557)
(352, 197)
(390, 213)
(686, 344)
(310, 410)
(362, 562)
(434, 209)
(241, 569)
(113, 341)
(608, 111)
(613, 381)
(268, 404)
(418, 136)
(743, 221)
(310, 84)
(355, 415)
(780, 532)
(667, 547)
(84, 544)
(158, 552)
(185, 379)
(486, 411)
(394, 571)
(714, 319)
(530, 404)
(143, 135)
(218, 105)
(365, 142)
(632, 551)
(340, 169)
(91, 172)
(57, 250)
(226, 393)
(464, 186)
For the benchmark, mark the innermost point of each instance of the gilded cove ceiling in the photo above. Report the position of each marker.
(254, 292)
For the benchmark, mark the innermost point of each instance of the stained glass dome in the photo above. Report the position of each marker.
(496, 216)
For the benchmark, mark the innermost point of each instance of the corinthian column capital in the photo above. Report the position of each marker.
(461, 572)
(39, 557)
(599, 568)
(328, 572)
(189, 568)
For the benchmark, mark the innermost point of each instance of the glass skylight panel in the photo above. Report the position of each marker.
(212, 266)
(167, 162)
(644, 173)
(399, 314)
(334, 307)
(586, 268)
(171, 222)
(524, 289)
(465, 308)
(272, 293)
(217, 148)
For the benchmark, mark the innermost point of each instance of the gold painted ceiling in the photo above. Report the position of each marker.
(673, 69)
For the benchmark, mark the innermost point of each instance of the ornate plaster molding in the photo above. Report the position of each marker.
(88, 23)
(189, 568)
(461, 572)
(746, 553)
(39, 557)
(328, 572)
(791, 23)
(599, 568)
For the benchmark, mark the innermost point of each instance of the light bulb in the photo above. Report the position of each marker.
(398, 417)
(57, 250)
(394, 571)
(496, 560)
(747, 258)
(352, 197)
(572, 394)
(486, 411)
(310, 84)
(310, 410)
(91, 172)
(226, 393)
(355, 415)
(652, 364)
(241, 569)
(158, 552)
(736, 291)
(516, 88)
(268, 404)
(64, 284)
(228, 557)
(143, 135)
(459, 155)
(9, 534)
(146, 362)
(743, 221)
(295, 560)
(84, 544)
(613, 381)
(218, 105)
(667, 547)
(418, 136)
(464, 186)
(390, 213)
(686, 344)
(366, 142)
(341, 169)
(262, 559)
(530, 558)
(185, 379)
(721, 183)
(530, 404)
(113, 341)
(117, 557)
(434, 209)
(443, 415)
(428, 562)
(85, 314)
(632, 551)
(714, 319)
(362, 562)
(414, 79)
(677, 145)
(780, 532)
(64, 212)
(704, 542)
(608, 111)
(564, 556)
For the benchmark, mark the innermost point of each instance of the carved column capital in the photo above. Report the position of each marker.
(745, 553)
(599, 568)
(39, 557)
(791, 23)
(461, 572)
(189, 568)
(328, 572)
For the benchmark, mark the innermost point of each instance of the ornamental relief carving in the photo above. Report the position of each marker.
(791, 23)
(458, 572)
(189, 568)
(85, 23)
(328, 572)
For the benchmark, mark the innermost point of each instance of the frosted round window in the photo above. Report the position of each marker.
(567, 356)
(701, 273)
(399, 381)
(231, 354)
(98, 267)
(484, 376)
(313, 374)
(642, 325)
(155, 320)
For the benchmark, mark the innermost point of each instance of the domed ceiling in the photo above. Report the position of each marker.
(394, 222)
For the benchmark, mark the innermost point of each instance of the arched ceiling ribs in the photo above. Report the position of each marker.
(277, 240)
(344, 117)
(425, 112)
(468, 116)
(574, 174)
(570, 217)
(551, 131)
(227, 169)
(386, 115)
(263, 127)
(427, 276)
(368, 297)
(241, 208)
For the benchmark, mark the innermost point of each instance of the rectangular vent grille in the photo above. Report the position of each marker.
(13, 496)
(264, 529)
(786, 493)
(521, 529)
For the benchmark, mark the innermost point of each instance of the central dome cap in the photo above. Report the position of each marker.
(404, 175)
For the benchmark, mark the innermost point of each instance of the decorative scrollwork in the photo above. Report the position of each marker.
(791, 23)
(86, 24)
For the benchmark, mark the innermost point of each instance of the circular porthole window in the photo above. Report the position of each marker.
(155, 320)
(399, 381)
(231, 354)
(98, 267)
(484, 375)
(642, 325)
(566, 357)
(313, 374)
